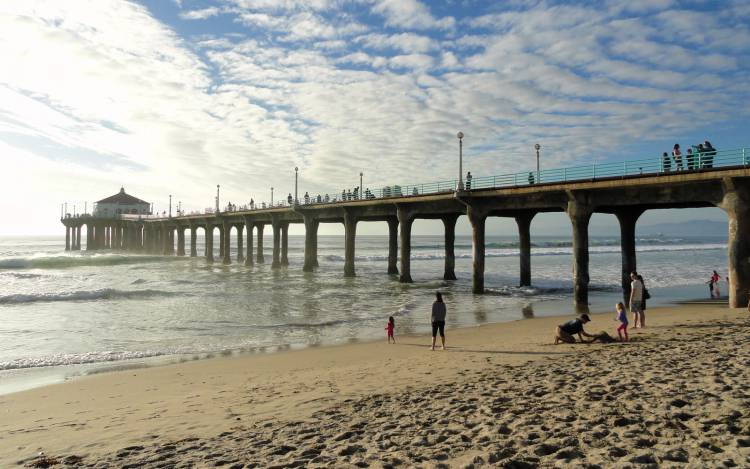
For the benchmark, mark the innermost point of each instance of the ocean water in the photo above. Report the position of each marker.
(65, 314)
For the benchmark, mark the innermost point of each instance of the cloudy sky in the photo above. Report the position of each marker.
(175, 96)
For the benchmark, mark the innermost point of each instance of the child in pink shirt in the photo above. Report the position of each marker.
(389, 329)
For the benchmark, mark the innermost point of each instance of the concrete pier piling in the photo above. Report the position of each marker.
(276, 260)
(393, 246)
(627, 219)
(736, 203)
(580, 215)
(249, 232)
(350, 235)
(477, 218)
(449, 223)
(523, 221)
(285, 243)
(311, 243)
(260, 259)
(193, 241)
(226, 236)
(240, 248)
(405, 220)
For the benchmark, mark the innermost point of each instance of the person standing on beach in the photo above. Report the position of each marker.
(438, 319)
(389, 329)
(622, 318)
(636, 301)
(715, 278)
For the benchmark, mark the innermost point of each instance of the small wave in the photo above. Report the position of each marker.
(75, 359)
(103, 294)
(63, 262)
(138, 281)
(20, 275)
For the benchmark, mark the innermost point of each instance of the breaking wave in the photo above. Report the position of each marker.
(103, 294)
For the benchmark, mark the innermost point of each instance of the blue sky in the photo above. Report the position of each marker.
(177, 96)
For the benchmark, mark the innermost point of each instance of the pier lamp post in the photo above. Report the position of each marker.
(179, 208)
(217, 198)
(74, 209)
(360, 184)
(62, 211)
(296, 200)
(460, 186)
(271, 196)
(537, 147)
(170, 205)
(85, 208)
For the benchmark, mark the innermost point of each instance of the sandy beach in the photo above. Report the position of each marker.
(501, 395)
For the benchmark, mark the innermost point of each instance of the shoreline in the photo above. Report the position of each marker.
(102, 413)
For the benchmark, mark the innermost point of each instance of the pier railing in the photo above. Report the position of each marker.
(654, 166)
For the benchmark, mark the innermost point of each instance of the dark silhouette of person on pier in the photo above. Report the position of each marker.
(289, 198)
(468, 180)
(307, 198)
(677, 155)
(666, 162)
(709, 154)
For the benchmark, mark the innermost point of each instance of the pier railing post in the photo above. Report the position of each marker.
(393, 246)
(350, 234)
(524, 246)
(580, 215)
(736, 203)
(405, 220)
(449, 223)
(627, 219)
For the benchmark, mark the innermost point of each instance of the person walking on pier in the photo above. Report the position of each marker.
(709, 154)
(468, 181)
(438, 319)
(666, 163)
(677, 155)
(690, 159)
(636, 301)
(290, 199)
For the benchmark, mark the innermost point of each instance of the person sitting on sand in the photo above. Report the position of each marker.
(565, 332)
(389, 329)
(622, 319)
(438, 319)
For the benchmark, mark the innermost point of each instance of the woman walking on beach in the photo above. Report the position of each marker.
(389, 329)
(438, 319)
(622, 318)
(714, 282)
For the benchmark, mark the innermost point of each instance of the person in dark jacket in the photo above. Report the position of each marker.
(565, 332)
(438, 319)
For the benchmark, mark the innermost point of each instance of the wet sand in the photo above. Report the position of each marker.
(501, 395)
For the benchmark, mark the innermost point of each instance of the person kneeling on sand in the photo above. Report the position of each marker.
(565, 332)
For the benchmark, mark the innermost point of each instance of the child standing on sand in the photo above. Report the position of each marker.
(389, 329)
(622, 318)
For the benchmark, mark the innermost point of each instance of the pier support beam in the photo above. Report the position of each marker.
(226, 237)
(89, 229)
(350, 234)
(240, 247)
(164, 241)
(249, 231)
(524, 246)
(180, 240)
(393, 246)
(78, 238)
(311, 243)
(209, 243)
(449, 221)
(405, 220)
(67, 238)
(736, 203)
(193, 241)
(285, 243)
(221, 242)
(259, 258)
(276, 262)
(477, 218)
(627, 219)
(580, 215)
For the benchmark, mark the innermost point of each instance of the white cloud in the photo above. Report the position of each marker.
(199, 14)
(410, 14)
(405, 42)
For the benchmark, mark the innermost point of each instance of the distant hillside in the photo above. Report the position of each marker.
(686, 228)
